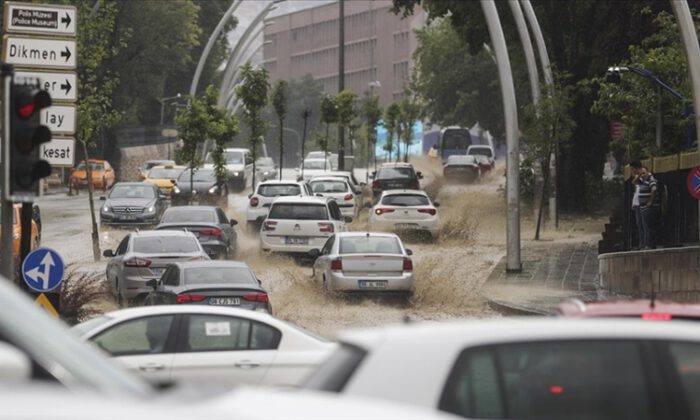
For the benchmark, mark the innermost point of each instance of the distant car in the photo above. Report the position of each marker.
(406, 210)
(312, 167)
(484, 155)
(300, 224)
(216, 283)
(364, 262)
(150, 164)
(132, 204)
(530, 368)
(103, 175)
(144, 255)
(200, 187)
(317, 154)
(239, 166)
(17, 233)
(394, 176)
(462, 168)
(209, 224)
(646, 309)
(209, 345)
(265, 193)
(341, 191)
(266, 169)
(164, 177)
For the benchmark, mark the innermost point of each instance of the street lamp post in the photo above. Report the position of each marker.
(373, 84)
(162, 106)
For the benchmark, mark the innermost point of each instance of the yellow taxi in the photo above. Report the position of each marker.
(17, 231)
(164, 176)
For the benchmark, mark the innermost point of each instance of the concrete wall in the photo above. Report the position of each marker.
(134, 157)
(674, 272)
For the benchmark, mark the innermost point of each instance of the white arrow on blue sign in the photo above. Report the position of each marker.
(43, 270)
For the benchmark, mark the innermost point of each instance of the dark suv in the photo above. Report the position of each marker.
(395, 176)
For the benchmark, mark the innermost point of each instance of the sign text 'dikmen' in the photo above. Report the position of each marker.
(39, 52)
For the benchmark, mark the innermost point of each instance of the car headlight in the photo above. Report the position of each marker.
(214, 189)
(194, 192)
(151, 209)
(106, 209)
(236, 173)
(176, 190)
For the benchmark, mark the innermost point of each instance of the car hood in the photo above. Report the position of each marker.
(198, 186)
(231, 167)
(135, 202)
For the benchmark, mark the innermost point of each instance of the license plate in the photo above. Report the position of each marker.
(406, 226)
(127, 217)
(227, 301)
(296, 240)
(372, 284)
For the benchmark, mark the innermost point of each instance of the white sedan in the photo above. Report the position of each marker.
(213, 345)
(406, 210)
(543, 368)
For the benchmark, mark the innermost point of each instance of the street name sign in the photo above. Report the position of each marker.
(43, 270)
(59, 152)
(59, 118)
(45, 53)
(61, 86)
(40, 19)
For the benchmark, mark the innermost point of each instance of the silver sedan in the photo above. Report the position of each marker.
(364, 262)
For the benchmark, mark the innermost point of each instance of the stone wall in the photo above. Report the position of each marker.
(132, 158)
(674, 273)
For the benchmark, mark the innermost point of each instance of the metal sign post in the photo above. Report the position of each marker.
(7, 210)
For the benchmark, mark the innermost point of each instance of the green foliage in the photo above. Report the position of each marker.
(346, 102)
(222, 129)
(253, 93)
(410, 112)
(391, 122)
(329, 115)
(193, 122)
(279, 103)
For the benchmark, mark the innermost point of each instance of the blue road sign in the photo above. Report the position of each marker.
(43, 269)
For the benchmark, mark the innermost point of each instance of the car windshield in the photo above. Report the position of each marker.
(370, 245)
(405, 200)
(90, 324)
(298, 211)
(132, 191)
(183, 214)
(164, 173)
(165, 244)
(394, 173)
(316, 164)
(456, 139)
(265, 162)
(201, 175)
(279, 190)
(329, 186)
(153, 163)
(93, 166)
(315, 155)
(482, 151)
(219, 275)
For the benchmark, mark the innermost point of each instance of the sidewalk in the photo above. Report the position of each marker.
(551, 273)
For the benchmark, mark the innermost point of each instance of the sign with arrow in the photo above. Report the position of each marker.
(40, 19)
(43, 270)
(39, 52)
(59, 118)
(61, 86)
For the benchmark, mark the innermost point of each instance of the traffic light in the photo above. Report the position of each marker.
(26, 134)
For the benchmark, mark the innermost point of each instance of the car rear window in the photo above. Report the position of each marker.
(405, 200)
(369, 245)
(394, 173)
(279, 190)
(219, 275)
(316, 164)
(296, 211)
(329, 186)
(202, 175)
(165, 245)
(183, 214)
(335, 372)
(163, 173)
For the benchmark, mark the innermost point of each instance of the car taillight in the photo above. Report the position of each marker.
(337, 265)
(137, 262)
(349, 197)
(187, 298)
(254, 202)
(325, 227)
(376, 186)
(259, 297)
(269, 225)
(407, 264)
(429, 211)
(414, 185)
(655, 316)
(211, 232)
(381, 211)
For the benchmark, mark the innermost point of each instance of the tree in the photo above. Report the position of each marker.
(253, 93)
(346, 101)
(329, 115)
(410, 112)
(305, 114)
(371, 113)
(279, 103)
(194, 130)
(391, 122)
(222, 129)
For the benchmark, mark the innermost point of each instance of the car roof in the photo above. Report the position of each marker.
(302, 199)
(283, 182)
(328, 178)
(169, 167)
(210, 263)
(151, 233)
(396, 165)
(336, 173)
(404, 192)
(628, 308)
(365, 233)
(127, 313)
(190, 208)
(133, 184)
(315, 159)
(237, 149)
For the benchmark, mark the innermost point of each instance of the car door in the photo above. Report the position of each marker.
(216, 349)
(114, 265)
(144, 345)
(336, 216)
(225, 226)
(321, 263)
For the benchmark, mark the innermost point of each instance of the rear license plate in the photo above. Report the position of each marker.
(296, 240)
(227, 301)
(406, 226)
(372, 284)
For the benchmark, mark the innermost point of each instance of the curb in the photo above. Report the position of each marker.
(510, 309)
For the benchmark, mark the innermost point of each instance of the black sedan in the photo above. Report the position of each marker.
(199, 186)
(209, 224)
(219, 283)
(132, 204)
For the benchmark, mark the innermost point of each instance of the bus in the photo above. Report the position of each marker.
(454, 141)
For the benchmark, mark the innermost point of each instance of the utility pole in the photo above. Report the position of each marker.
(6, 267)
(341, 79)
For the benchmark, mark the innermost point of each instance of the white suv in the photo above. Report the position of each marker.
(300, 224)
(259, 202)
(340, 190)
(239, 166)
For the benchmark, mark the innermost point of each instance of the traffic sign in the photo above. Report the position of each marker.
(61, 86)
(39, 52)
(43, 269)
(693, 182)
(40, 18)
(59, 118)
(43, 302)
(59, 152)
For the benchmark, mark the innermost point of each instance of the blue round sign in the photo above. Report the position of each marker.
(43, 269)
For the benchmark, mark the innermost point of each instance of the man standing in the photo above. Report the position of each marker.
(636, 168)
(649, 204)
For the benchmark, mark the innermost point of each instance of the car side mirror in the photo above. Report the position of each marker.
(103, 198)
(347, 219)
(409, 252)
(436, 204)
(419, 175)
(319, 195)
(233, 222)
(108, 253)
(172, 181)
(314, 253)
(259, 282)
(152, 283)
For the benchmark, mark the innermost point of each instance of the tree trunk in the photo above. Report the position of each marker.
(191, 182)
(281, 146)
(303, 144)
(325, 146)
(96, 254)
